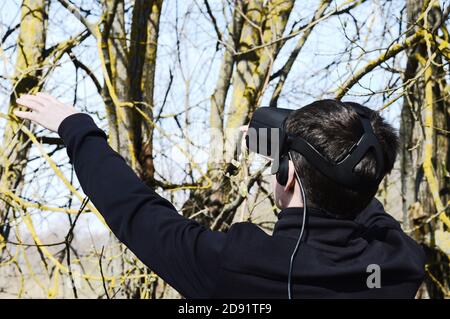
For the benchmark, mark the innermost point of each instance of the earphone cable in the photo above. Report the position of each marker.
(297, 245)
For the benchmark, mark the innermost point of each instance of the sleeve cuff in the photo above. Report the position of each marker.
(74, 128)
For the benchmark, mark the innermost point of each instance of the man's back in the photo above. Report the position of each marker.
(337, 259)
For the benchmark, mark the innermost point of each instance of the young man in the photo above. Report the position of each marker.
(351, 247)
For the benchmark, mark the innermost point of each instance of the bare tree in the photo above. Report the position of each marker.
(16, 144)
(425, 147)
(160, 76)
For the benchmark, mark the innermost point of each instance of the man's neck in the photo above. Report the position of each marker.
(296, 199)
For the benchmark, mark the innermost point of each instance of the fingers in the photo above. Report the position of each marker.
(24, 115)
(31, 102)
(46, 97)
(38, 99)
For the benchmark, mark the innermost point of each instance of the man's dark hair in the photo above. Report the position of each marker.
(333, 127)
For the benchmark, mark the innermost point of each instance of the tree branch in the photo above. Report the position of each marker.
(77, 13)
(389, 53)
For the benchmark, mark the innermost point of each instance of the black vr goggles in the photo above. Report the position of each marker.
(267, 136)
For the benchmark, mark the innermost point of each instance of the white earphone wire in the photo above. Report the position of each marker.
(297, 245)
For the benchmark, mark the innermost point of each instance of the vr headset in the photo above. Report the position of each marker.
(267, 136)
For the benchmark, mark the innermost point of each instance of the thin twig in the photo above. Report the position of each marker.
(101, 273)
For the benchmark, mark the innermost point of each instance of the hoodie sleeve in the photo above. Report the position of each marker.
(181, 251)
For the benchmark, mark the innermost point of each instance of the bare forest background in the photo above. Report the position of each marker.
(159, 75)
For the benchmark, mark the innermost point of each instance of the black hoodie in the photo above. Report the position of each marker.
(334, 261)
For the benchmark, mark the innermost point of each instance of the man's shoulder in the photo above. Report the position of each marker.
(245, 236)
(246, 229)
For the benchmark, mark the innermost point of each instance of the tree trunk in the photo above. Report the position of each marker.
(424, 154)
(145, 152)
(16, 145)
(132, 73)
(259, 25)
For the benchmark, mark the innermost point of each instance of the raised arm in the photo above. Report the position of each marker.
(178, 249)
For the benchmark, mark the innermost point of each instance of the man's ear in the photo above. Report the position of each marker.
(291, 178)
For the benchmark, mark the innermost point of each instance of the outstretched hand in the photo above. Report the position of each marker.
(46, 110)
